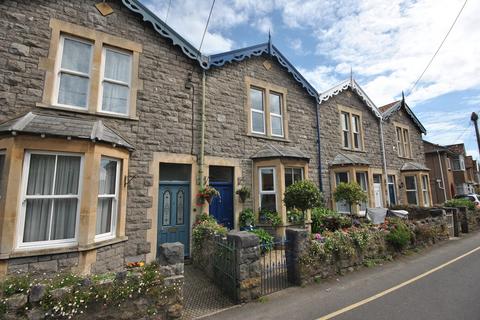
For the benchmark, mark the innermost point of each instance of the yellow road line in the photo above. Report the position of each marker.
(383, 293)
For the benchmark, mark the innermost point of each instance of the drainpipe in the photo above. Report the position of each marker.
(320, 182)
(202, 134)
(384, 160)
(441, 172)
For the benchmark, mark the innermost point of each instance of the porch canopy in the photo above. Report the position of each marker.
(413, 166)
(342, 159)
(270, 151)
(52, 125)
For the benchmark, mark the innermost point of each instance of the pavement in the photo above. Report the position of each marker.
(426, 285)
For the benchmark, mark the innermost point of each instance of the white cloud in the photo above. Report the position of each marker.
(389, 43)
(264, 25)
(320, 77)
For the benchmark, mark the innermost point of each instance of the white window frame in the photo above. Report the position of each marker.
(293, 175)
(103, 79)
(346, 124)
(336, 184)
(406, 143)
(58, 70)
(356, 132)
(24, 197)
(252, 110)
(276, 115)
(425, 191)
(2, 170)
(366, 190)
(113, 223)
(400, 145)
(410, 190)
(260, 184)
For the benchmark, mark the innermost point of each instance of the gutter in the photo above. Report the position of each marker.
(320, 180)
(202, 134)
(443, 178)
(384, 160)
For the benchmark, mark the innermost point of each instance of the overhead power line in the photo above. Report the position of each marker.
(206, 27)
(168, 10)
(439, 47)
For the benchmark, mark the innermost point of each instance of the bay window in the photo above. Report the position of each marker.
(425, 192)
(117, 67)
(108, 191)
(51, 198)
(74, 72)
(293, 175)
(392, 189)
(267, 187)
(459, 163)
(411, 190)
(342, 206)
(362, 181)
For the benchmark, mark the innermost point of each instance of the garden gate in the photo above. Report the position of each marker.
(225, 267)
(273, 261)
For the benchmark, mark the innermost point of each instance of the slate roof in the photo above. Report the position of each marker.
(430, 147)
(61, 126)
(391, 108)
(355, 87)
(217, 60)
(342, 159)
(413, 166)
(271, 151)
(457, 148)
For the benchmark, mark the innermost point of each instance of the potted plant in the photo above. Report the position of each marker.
(351, 193)
(243, 193)
(247, 219)
(272, 218)
(207, 193)
(302, 195)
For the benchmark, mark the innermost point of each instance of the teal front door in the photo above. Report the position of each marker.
(174, 213)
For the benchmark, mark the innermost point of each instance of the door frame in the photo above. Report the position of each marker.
(153, 190)
(382, 201)
(237, 182)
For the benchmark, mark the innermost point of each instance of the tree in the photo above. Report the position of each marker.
(350, 192)
(302, 195)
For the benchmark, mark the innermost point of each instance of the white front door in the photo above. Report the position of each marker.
(377, 190)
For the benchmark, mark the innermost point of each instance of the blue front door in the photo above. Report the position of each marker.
(222, 207)
(174, 214)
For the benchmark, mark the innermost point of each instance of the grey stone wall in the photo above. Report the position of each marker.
(39, 265)
(331, 139)
(418, 154)
(168, 113)
(109, 258)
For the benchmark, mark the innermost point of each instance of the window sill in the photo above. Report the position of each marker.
(354, 150)
(97, 113)
(24, 252)
(405, 158)
(273, 138)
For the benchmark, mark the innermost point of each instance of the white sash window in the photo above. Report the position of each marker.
(107, 206)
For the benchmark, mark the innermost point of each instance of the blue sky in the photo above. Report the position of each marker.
(386, 43)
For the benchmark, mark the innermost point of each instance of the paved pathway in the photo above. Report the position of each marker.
(201, 296)
(451, 292)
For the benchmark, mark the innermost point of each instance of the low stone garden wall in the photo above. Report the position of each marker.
(312, 257)
(141, 291)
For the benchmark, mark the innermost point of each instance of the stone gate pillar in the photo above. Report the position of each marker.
(296, 246)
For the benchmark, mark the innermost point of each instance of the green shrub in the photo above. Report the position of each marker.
(206, 226)
(360, 237)
(302, 195)
(340, 244)
(270, 217)
(266, 240)
(247, 218)
(324, 219)
(460, 203)
(399, 236)
(350, 192)
(295, 216)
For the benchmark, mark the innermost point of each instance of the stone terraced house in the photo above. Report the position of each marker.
(379, 148)
(110, 122)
